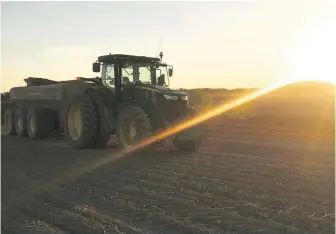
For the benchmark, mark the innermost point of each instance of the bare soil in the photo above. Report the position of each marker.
(247, 177)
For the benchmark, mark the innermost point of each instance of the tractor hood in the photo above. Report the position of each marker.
(161, 89)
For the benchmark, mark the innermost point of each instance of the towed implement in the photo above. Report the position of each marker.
(130, 98)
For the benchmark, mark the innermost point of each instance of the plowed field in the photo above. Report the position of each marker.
(244, 178)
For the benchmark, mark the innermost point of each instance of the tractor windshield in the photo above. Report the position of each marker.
(136, 74)
(161, 75)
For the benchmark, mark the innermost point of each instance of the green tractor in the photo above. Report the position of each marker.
(130, 98)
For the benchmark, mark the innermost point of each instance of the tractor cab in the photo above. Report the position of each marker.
(125, 70)
(143, 81)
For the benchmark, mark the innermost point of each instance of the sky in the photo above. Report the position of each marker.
(229, 44)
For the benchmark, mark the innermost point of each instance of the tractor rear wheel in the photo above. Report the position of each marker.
(82, 124)
(103, 127)
(9, 123)
(133, 125)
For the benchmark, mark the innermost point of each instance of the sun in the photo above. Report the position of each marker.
(313, 57)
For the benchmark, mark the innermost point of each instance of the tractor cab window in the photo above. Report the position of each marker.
(161, 75)
(108, 77)
(145, 74)
(158, 72)
(127, 73)
(135, 74)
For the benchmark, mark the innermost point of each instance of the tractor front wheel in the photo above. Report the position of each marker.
(190, 139)
(133, 125)
(187, 145)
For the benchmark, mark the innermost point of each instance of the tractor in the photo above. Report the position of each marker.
(130, 98)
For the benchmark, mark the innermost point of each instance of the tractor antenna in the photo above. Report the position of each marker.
(159, 46)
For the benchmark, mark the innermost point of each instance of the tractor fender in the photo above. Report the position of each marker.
(133, 103)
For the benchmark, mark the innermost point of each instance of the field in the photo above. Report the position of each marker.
(249, 176)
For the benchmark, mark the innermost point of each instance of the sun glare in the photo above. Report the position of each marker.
(313, 57)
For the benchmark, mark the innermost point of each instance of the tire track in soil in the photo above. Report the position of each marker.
(127, 210)
(68, 218)
(201, 170)
(236, 189)
(281, 156)
(263, 144)
(211, 171)
(21, 223)
(158, 188)
(139, 198)
(243, 177)
(69, 196)
(285, 157)
(51, 200)
(178, 181)
(137, 182)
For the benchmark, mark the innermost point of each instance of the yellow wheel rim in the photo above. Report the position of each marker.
(129, 133)
(132, 131)
(75, 123)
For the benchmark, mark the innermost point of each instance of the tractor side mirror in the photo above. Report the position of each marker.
(170, 72)
(96, 67)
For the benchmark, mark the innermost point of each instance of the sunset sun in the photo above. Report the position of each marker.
(313, 57)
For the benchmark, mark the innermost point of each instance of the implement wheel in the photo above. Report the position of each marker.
(20, 121)
(40, 123)
(9, 123)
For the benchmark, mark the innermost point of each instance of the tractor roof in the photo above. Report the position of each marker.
(126, 58)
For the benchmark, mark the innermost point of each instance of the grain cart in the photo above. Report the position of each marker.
(130, 99)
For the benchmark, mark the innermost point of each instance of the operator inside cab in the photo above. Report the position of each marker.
(161, 80)
(136, 74)
(125, 80)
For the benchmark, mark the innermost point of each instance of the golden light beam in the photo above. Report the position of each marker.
(176, 129)
(73, 175)
(208, 115)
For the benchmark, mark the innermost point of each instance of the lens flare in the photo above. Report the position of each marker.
(180, 127)
(91, 166)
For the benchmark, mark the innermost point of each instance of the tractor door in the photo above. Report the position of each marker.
(127, 80)
(109, 81)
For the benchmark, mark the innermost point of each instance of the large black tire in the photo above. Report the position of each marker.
(40, 123)
(188, 145)
(9, 123)
(104, 129)
(82, 132)
(20, 121)
(141, 124)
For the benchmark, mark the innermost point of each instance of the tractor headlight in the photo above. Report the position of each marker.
(170, 97)
(184, 98)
